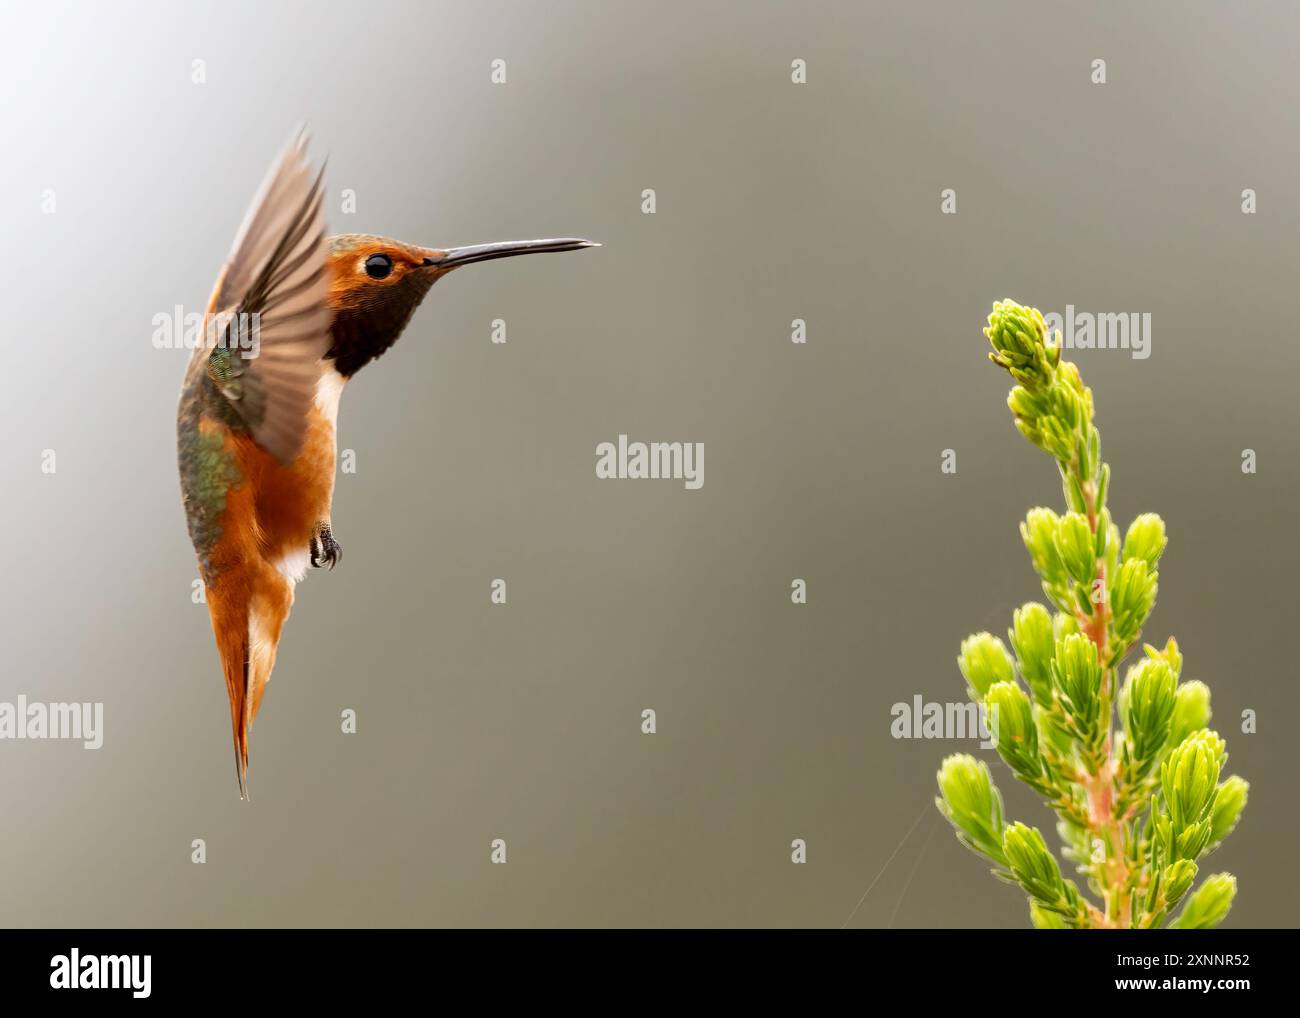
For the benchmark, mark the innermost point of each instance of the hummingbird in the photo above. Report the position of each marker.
(294, 315)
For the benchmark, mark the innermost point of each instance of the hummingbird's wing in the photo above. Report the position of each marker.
(277, 272)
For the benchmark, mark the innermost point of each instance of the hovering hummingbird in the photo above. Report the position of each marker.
(256, 421)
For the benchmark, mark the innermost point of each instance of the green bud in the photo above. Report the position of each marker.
(1209, 905)
(1076, 546)
(1071, 379)
(1191, 710)
(972, 804)
(1045, 919)
(1027, 405)
(1011, 720)
(1039, 534)
(1030, 431)
(1170, 655)
(1192, 841)
(1228, 804)
(984, 660)
(1018, 336)
(1034, 643)
(1067, 407)
(1035, 867)
(1132, 596)
(1189, 779)
(1178, 879)
(1147, 708)
(1077, 675)
(1059, 438)
(1145, 539)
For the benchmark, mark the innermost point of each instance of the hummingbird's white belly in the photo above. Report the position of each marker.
(293, 566)
(328, 390)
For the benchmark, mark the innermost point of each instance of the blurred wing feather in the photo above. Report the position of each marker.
(278, 271)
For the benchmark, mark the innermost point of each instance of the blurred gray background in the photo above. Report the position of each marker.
(476, 461)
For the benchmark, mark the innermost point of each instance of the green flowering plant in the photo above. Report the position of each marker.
(1138, 805)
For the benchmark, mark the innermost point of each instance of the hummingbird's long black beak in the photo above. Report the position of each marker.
(457, 256)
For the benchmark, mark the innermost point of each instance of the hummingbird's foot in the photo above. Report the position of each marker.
(324, 549)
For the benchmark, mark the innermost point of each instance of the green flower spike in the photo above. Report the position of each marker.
(1136, 805)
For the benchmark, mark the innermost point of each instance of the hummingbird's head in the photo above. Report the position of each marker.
(376, 284)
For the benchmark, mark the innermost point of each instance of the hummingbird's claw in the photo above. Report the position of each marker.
(324, 549)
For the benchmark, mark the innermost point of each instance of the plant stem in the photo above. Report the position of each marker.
(1099, 779)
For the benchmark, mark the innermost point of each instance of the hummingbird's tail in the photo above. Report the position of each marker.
(248, 606)
(232, 645)
(228, 604)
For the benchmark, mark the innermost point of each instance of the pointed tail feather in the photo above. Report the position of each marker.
(249, 606)
(228, 606)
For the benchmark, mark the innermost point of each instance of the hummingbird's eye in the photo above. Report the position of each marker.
(378, 266)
